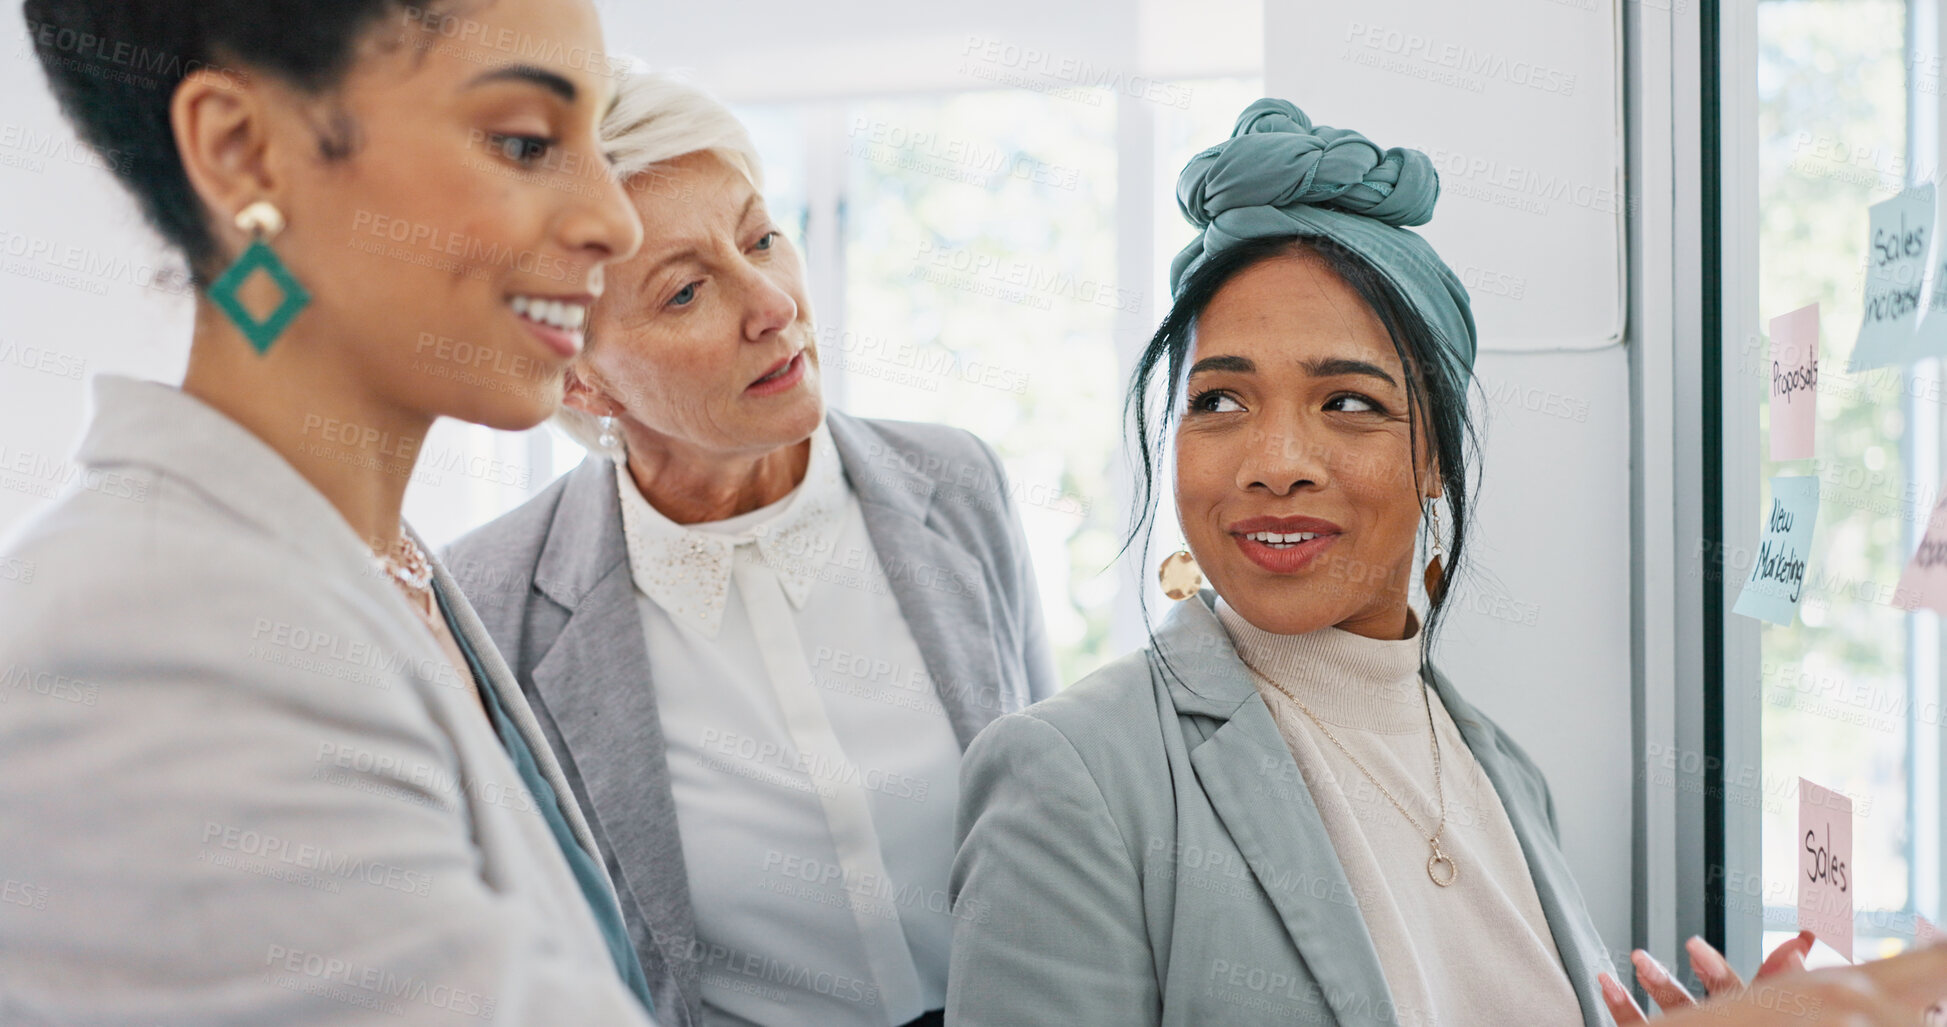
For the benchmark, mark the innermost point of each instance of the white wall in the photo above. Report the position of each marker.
(784, 50)
(1541, 641)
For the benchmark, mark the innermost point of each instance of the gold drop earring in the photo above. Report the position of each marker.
(1436, 568)
(1179, 574)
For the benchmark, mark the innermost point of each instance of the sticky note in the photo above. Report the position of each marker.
(1930, 337)
(1794, 383)
(1924, 582)
(1898, 244)
(1825, 865)
(1777, 578)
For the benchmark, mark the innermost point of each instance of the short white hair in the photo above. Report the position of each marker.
(655, 119)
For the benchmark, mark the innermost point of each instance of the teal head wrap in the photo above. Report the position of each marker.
(1279, 176)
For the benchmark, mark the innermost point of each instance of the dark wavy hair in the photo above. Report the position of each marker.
(1437, 385)
(114, 66)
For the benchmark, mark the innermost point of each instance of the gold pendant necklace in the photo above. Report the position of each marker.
(406, 566)
(405, 563)
(1440, 867)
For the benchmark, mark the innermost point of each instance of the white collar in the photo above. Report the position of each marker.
(685, 568)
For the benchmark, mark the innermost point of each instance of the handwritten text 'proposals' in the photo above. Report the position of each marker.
(1794, 383)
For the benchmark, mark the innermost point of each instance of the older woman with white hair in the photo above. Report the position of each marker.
(758, 633)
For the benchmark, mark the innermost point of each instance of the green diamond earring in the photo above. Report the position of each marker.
(263, 221)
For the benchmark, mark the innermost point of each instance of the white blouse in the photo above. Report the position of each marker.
(815, 771)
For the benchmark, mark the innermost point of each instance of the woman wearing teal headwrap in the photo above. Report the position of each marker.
(1279, 811)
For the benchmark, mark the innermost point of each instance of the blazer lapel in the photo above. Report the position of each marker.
(1251, 780)
(1575, 935)
(940, 587)
(507, 690)
(596, 683)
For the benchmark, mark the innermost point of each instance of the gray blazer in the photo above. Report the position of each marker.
(551, 581)
(239, 781)
(1141, 849)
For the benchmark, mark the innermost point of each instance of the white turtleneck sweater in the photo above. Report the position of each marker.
(1474, 952)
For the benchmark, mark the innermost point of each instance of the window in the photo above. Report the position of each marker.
(1850, 692)
(962, 249)
(981, 291)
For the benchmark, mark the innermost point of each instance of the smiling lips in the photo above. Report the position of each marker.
(557, 321)
(1284, 545)
(781, 377)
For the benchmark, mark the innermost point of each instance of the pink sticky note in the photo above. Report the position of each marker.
(1794, 383)
(1924, 582)
(1825, 865)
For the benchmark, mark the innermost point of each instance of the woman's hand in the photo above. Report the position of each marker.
(1883, 993)
(1708, 964)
